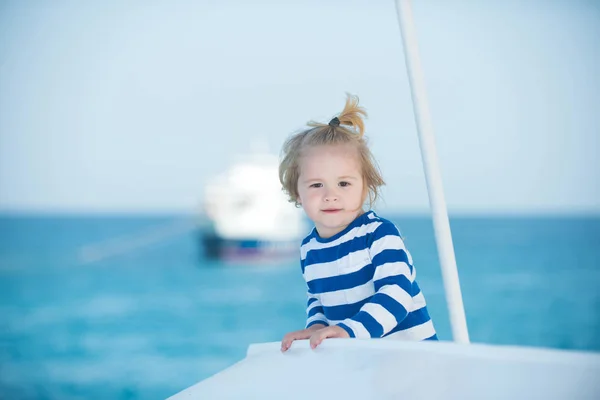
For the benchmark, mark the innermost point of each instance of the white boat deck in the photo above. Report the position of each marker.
(386, 369)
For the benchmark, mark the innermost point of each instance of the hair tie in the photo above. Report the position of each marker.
(334, 122)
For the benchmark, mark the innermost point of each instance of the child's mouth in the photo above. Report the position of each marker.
(331, 210)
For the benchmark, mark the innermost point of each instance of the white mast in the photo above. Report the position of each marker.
(433, 177)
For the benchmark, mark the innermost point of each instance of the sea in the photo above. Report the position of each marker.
(128, 307)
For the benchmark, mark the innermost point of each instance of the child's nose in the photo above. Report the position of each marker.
(331, 196)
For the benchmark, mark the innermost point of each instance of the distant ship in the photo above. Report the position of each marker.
(250, 218)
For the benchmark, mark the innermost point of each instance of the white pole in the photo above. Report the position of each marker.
(437, 202)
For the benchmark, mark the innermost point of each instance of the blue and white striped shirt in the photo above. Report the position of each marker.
(363, 280)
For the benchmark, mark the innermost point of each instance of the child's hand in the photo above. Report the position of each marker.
(328, 332)
(286, 343)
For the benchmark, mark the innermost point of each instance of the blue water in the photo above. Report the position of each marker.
(151, 322)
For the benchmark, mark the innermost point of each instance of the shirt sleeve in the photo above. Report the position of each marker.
(314, 311)
(315, 314)
(393, 279)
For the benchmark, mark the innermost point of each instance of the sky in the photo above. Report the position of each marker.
(134, 106)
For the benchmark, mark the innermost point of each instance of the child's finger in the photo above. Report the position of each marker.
(285, 344)
(316, 340)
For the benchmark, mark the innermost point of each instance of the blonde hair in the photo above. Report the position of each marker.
(347, 128)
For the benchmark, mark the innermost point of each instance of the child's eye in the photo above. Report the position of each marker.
(316, 185)
(344, 184)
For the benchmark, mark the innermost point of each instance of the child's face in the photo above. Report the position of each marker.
(330, 187)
